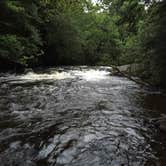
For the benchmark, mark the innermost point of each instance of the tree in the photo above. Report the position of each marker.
(19, 36)
(152, 42)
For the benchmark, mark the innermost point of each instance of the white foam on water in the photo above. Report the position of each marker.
(89, 75)
(52, 76)
(92, 75)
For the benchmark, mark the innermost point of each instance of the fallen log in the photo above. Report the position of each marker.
(117, 71)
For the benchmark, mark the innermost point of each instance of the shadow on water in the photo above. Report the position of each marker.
(156, 102)
(79, 116)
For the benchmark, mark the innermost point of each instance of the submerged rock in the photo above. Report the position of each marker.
(162, 124)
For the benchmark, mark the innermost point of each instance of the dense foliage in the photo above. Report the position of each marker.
(152, 41)
(69, 32)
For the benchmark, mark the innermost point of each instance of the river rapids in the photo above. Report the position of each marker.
(79, 116)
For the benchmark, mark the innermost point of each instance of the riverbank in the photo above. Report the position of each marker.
(132, 72)
(10, 65)
(135, 72)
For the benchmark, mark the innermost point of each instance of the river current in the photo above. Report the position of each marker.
(79, 116)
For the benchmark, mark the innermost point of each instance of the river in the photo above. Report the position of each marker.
(79, 116)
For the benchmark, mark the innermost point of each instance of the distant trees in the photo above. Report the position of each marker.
(65, 32)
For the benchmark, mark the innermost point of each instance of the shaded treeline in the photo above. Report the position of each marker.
(69, 32)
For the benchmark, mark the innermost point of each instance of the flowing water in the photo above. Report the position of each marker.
(79, 116)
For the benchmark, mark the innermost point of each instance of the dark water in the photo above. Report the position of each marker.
(79, 116)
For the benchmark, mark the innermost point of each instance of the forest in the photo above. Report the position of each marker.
(84, 32)
(82, 82)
